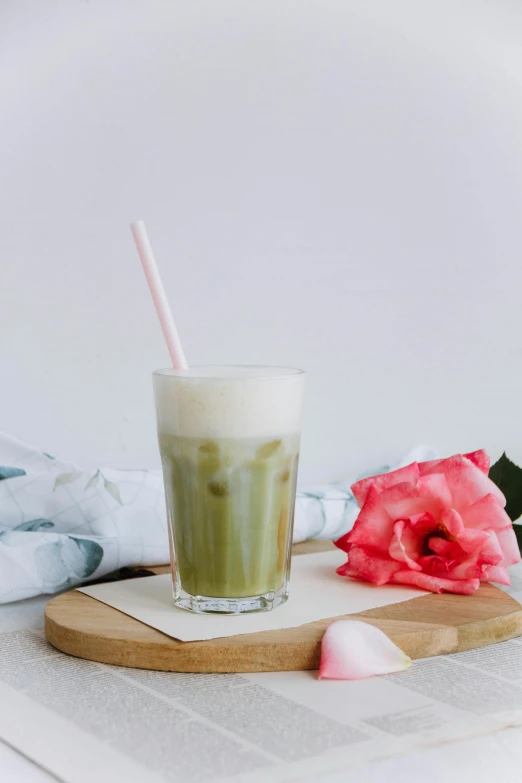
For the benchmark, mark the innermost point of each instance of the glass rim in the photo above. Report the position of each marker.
(265, 372)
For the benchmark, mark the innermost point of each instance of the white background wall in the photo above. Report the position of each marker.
(335, 184)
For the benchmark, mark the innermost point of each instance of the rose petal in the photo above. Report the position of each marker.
(371, 566)
(430, 494)
(483, 552)
(470, 568)
(373, 527)
(441, 546)
(360, 489)
(452, 521)
(416, 533)
(436, 584)
(466, 482)
(491, 553)
(486, 513)
(472, 540)
(435, 565)
(402, 547)
(428, 467)
(479, 458)
(346, 570)
(498, 574)
(509, 545)
(352, 650)
(424, 526)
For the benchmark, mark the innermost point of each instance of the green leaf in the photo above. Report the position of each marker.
(113, 490)
(93, 481)
(508, 478)
(66, 478)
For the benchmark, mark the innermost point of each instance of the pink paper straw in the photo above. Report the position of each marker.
(177, 355)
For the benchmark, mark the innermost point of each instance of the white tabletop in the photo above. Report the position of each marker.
(496, 756)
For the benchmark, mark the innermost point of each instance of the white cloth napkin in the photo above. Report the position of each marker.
(61, 526)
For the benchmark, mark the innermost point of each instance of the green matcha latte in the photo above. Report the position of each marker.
(229, 443)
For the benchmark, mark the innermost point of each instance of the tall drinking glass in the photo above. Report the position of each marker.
(229, 442)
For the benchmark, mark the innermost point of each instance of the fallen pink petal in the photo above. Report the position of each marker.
(353, 650)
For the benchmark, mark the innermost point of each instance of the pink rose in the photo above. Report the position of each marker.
(439, 526)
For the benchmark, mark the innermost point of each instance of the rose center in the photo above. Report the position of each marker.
(439, 531)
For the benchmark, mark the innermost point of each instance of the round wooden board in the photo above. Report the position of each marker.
(430, 625)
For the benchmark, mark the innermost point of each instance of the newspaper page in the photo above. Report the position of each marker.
(83, 721)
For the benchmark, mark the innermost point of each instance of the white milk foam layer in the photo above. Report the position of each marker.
(229, 402)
